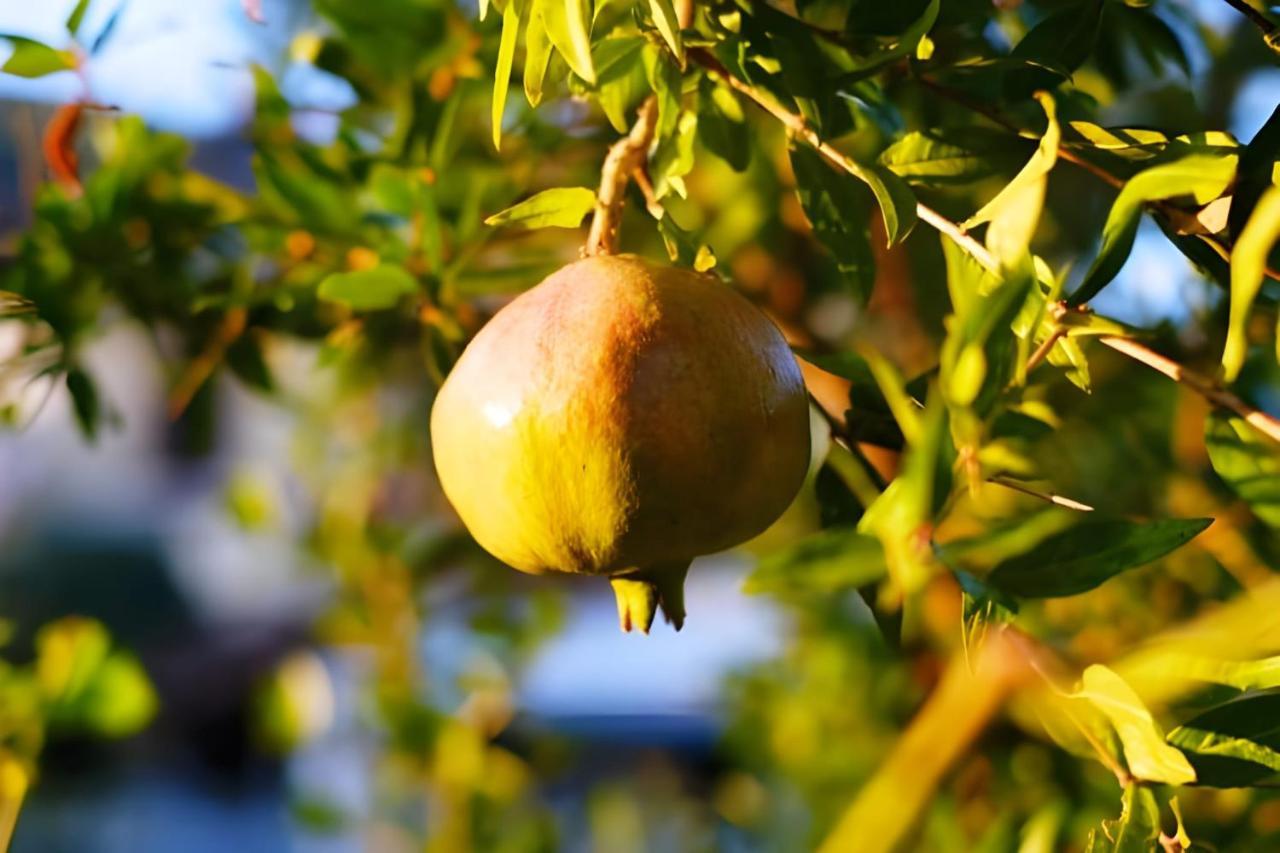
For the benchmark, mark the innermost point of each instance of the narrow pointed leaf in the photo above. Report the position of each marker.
(537, 54)
(1202, 177)
(1248, 268)
(664, 15)
(568, 24)
(502, 74)
(563, 207)
(1083, 557)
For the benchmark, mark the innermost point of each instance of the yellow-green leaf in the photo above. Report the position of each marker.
(502, 74)
(1203, 177)
(1248, 267)
(31, 58)
(537, 54)
(368, 290)
(562, 207)
(568, 24)
(664, 15)
(1015, 210)
(1149, 758)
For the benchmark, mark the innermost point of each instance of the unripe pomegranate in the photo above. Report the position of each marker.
(620, 419)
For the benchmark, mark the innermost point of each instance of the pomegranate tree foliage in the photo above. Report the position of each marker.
(926, 196)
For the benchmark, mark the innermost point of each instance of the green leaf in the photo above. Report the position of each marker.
(839, 212)
(834, 559)
(76, 18)
(1015, 210)
(1202, 177)
(31, 58)
(368, 290)
(664, 15)
(568, 24)
(537, 54)
(1135, 831)
(1083, 557)
(673, 157)
(943, 157)
(1246, 461)
(721, 125)
(621, 79)
(502, 73)
(1248, 268)
(1063, 40)
(903, 45)
(1236, 744)
(1148, 756)
(897, 202)
(1257, 163)
(563, 207)
(978, 355)
(84, 401)
(909, 502)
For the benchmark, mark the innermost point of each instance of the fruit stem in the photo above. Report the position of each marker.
(623, 158)
(640, 592)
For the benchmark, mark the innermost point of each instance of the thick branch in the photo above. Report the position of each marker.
(1263, 422)
(626, 155)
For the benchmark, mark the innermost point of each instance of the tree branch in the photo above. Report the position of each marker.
(1270, 31)
(796, 124)
(1202, 385)
(626, 155)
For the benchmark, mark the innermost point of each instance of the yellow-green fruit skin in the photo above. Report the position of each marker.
(621, 416)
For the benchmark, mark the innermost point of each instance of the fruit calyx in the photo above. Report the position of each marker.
(640, 592)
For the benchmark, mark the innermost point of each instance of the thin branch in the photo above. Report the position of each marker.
(1064, 153)
(1042, 351)
(1270, 31)
(796, 124)
(203, 365)
(1202, 385)
(1048, 497)
(800, 128)
(626, 155)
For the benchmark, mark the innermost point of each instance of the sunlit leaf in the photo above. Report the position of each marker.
(1247, 462)
(1015, 210)
(945, 156)
(664, 15)
(31, 58)
(537, 54)
(1201, 177)
(568, 25)
(1085, 556)
(502, 73)
(563, 207)
(1149, 758)
(1248, 268)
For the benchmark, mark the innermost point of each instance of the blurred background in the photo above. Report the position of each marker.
(272, 633)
